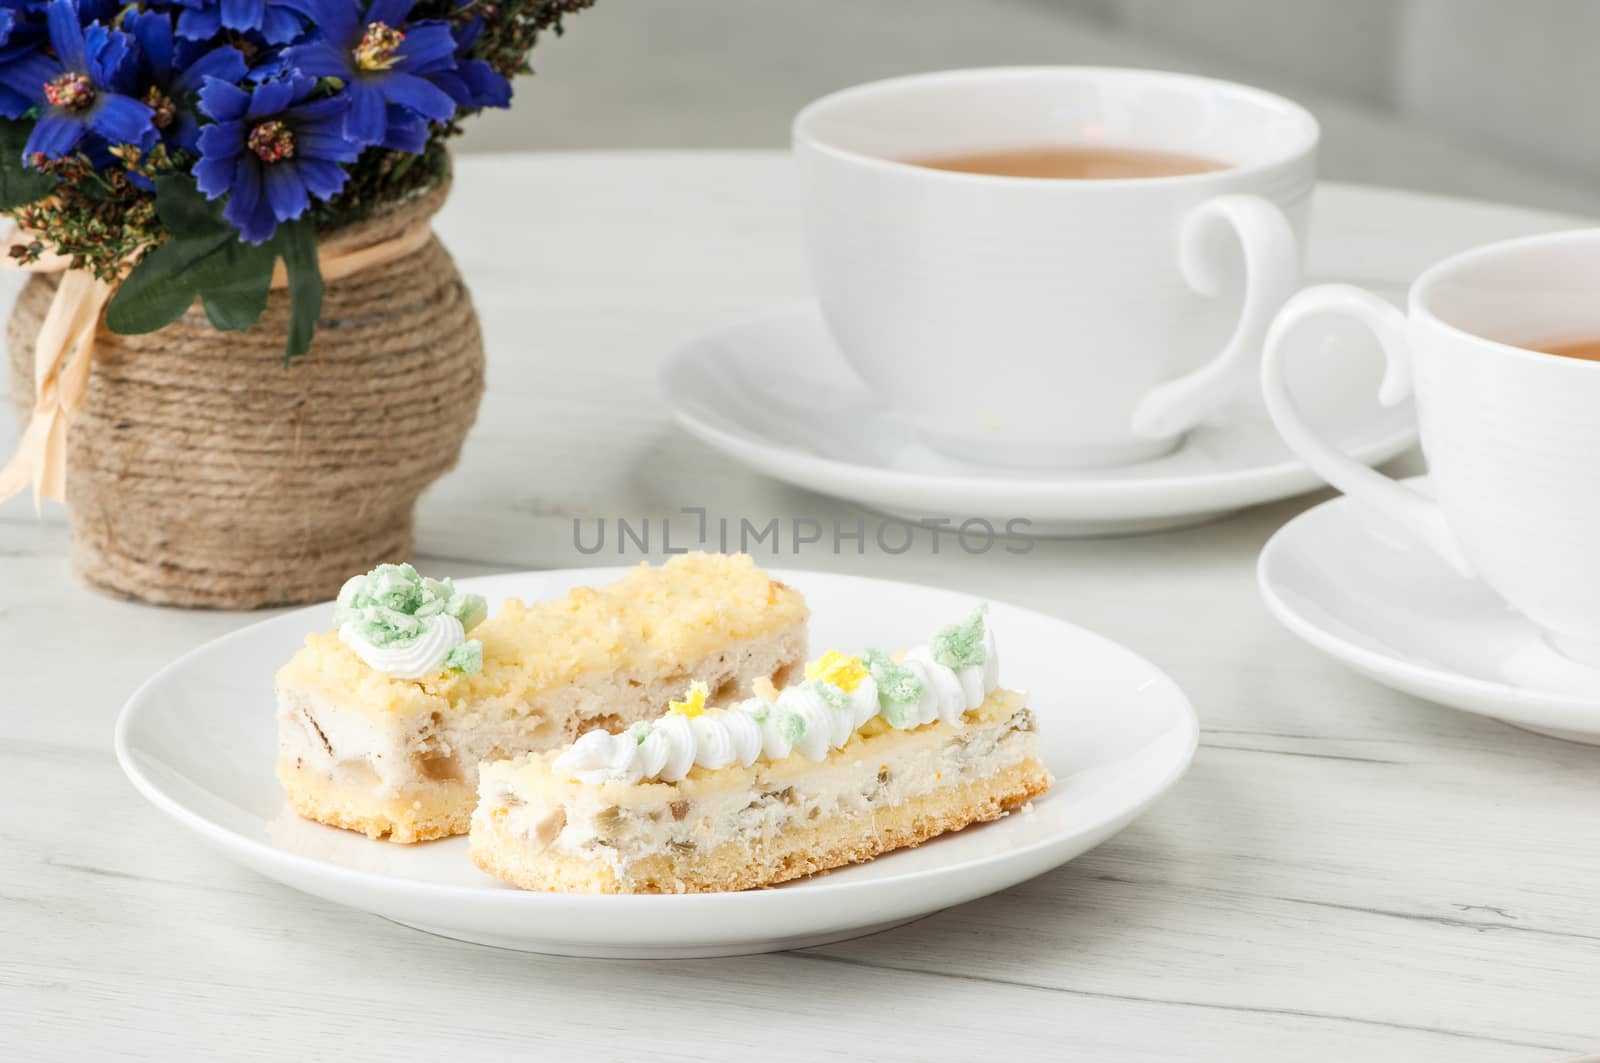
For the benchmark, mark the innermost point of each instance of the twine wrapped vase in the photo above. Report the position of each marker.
(202, 471)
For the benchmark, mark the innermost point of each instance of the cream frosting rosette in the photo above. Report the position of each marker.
(408, 626)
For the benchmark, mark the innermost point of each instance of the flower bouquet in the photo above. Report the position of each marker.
(226, 205)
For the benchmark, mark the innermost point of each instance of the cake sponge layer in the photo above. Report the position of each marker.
(794, 853)
(742, 826)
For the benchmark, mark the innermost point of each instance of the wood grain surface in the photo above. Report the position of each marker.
(1345, 874)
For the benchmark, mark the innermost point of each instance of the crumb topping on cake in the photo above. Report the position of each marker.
(651, 619)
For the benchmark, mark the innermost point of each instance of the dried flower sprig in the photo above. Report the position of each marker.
(511, 28)
(100, 220)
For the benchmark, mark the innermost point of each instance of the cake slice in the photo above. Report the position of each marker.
(869, 754)
(382, 723)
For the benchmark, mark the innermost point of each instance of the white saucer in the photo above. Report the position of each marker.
(774, 393)
(199, 739)
(1370, 597)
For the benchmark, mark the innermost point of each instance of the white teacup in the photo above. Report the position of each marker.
(1511, 435)
(1050, 322)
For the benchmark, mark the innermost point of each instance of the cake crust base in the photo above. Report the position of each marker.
(406, 819)
(834, 842)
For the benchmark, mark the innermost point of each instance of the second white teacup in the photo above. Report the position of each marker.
(1511, 432)
(1040, 321)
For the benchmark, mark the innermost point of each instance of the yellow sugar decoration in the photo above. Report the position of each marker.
(840, 669)
(693, 703)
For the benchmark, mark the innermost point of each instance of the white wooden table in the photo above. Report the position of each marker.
(1345, 874)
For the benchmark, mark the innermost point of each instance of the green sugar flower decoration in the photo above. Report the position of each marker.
(899, 689)
(466, 658)
(831, 693)
(392, 604)
(791, 725)
(961, 645)
(470, 609)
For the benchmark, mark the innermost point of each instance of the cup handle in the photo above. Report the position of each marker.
(1272, 273)
(1413, 511)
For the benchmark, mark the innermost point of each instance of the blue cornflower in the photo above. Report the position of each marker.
(201, 20)
(173, 72)
(19, 37)
(404, 131)
(473, 84)
(83, 92)
(23, 33)
(22, 30)
(271, 150)
(383, 60)
(266, 61)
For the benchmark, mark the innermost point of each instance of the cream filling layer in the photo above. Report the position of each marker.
(582, 825)
(315, 733)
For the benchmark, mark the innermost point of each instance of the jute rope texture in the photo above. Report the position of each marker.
(202, 472)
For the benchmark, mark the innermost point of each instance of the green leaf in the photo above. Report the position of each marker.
(297, 243)
(186, 212)
(206, 260)
(19, 185)
(151, 297)
(237, 298)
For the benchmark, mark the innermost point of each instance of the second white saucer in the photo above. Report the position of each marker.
(775, 393)
(1371, 598)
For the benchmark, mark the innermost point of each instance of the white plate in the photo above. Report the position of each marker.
(774, 393)
(198, 739)
(1369, 596)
